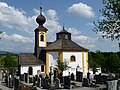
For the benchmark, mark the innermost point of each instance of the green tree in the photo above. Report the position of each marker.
(109, 26)
(92, 64)
(100, 59)
(62, 65)
(113, 63)
(9, 62)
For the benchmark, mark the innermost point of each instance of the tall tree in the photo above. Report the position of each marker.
(92, 64)
(99, 58)
(113, 64)
(9, 63)
(109, 26)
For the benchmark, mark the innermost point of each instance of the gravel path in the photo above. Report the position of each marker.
(3, 87)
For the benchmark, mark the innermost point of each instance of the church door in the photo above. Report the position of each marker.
(30, 70)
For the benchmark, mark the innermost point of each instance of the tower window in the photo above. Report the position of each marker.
(42, 68)
(30, 70)
(72, 58)
(66, 36)
(42, 37)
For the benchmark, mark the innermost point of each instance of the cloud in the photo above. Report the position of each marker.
(52, 24)
(83, 40)
(52, 14)
(16, 38)
(90, 24)
(82, 10)
(13, 18)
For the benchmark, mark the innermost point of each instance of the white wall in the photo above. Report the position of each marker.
(97, 72)
(53, 57)
(24, 69)
(73, 65)
(42, 44)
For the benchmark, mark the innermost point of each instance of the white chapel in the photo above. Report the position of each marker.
(47, 53)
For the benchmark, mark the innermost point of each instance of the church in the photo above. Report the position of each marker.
(47, 53)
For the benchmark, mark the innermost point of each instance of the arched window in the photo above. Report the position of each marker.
(72, 58)
(42, 37)
(30, 70)
(66, 36)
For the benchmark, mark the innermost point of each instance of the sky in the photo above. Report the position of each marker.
(18, 22)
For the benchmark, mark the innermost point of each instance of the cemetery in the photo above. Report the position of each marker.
(57, 81)
(53, 81)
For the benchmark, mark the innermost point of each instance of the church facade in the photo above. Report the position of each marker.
(47, 53)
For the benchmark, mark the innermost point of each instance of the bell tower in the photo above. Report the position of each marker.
(40, 33)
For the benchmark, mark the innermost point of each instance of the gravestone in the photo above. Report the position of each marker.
(67, 82)
(34, 81)
(104, 79)
(1, 74)
(60, 77)
(36, 77)
(72, 77)
(112, 85)
(26, 77)
(79, 76)
(16, 83)
(3, 78)
(6, 79)
(55, 75)
(50, 74)
(10, 81)
(85, 82)
(7, 83)
(22, 77)
(98, 79)
(40, 76)
(118, 85)
(57, 84)
(44, 83)
(39, 82)
(88, 75)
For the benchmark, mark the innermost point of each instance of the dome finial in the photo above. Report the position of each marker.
(41, 9)
(40, 19)
(63, 26)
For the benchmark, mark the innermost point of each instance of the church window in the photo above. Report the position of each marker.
(42, 68)
(72, 58)
(42, 37)
(30, 70)
(66, 36)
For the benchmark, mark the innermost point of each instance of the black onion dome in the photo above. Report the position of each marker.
(40, 19)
